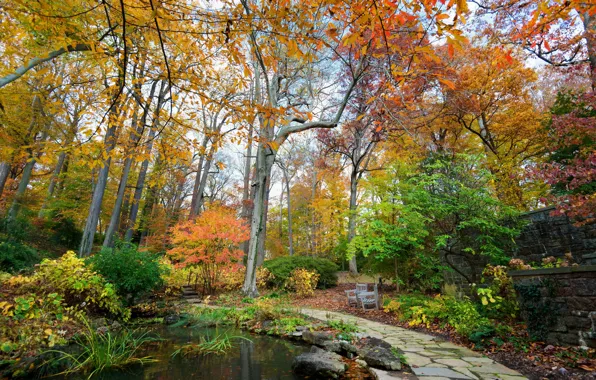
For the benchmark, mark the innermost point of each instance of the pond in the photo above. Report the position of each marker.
(257, 357)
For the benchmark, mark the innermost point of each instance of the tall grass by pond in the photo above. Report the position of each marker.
(98, 351)
(217, 344)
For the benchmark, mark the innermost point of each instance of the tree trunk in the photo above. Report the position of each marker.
(264, 164)
(4, 173)
(290, 236)
(246, 198)
(281, 211)
(263, 234)
(313, 221)
(53, 182)
(136, 199)
(108, 241)
(204, 177)
(26, 176)
(134, 137)
(352, 218)
(18, 197)
(100, 186)
(123, 223)
(589, 22)
(194, 207)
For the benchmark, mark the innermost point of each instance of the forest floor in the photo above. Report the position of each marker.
(535, 360)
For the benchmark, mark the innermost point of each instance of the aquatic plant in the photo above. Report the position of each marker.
(217, 345)
(97, 351)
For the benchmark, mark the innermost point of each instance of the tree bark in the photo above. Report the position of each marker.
(26, 176)
(135, 136)
(136, 200)
(246, 190)
(265, 160)
(288, 200)
(23, 183)
(53, 182)
(102, 180)
(313, 220)
(263, 234)
(4, 173)
(589, 22)
(352, 218)
(194, 209)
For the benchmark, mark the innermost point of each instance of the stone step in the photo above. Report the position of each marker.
(194, 300)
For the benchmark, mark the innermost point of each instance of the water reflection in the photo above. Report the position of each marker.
(261, 358)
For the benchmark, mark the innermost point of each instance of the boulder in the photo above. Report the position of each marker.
(376, 342)
(267, 324)
(332, 346)
(319, 364)
(170, 319)
(99, 322)
(380, 357)
(317, 338)
(348, 347)
(115, 326)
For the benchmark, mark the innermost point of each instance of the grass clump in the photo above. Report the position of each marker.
(96, 352)
(217, 345)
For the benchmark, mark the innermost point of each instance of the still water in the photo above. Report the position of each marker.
(261, 358)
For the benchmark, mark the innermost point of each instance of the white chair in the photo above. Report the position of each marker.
(369, 300)
(352, 297)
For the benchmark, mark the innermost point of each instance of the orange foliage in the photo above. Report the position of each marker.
(210, 242)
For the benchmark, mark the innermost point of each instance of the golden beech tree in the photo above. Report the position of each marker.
(210, 242)
(483, 104)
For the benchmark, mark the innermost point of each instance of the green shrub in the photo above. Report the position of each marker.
(16, 230)
(65, 233)
(282, 267)
(15, 257)
(132, 272)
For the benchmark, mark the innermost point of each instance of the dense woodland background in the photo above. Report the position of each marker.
(383, 135)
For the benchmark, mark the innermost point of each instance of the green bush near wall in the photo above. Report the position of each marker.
(281, 268)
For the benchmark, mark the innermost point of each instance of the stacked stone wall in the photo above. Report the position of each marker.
(566, 297)
(550, 235)
(545, 235)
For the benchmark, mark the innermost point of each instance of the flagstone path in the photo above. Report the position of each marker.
(430, 358)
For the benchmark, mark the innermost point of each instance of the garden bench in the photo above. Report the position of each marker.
(362, 297)
(352, 297)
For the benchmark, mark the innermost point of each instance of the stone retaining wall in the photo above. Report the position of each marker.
(548, 235)
(545, 235)
(559, 304)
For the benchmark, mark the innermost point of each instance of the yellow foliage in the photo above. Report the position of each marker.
(392, 307)
(174, 278)
(303, 282)
(233, 278)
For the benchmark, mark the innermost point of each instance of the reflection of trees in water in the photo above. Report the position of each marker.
(247, 370)
(262, 358)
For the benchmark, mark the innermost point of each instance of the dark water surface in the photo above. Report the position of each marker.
(261, 358)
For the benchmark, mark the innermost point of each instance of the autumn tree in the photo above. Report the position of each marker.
(354, 143)
(571, 166)
(490, 98)
(560, 33)
(210, 242)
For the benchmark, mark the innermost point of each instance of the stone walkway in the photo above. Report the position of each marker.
(430, 357)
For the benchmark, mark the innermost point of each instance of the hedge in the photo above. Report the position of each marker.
(281, 268)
